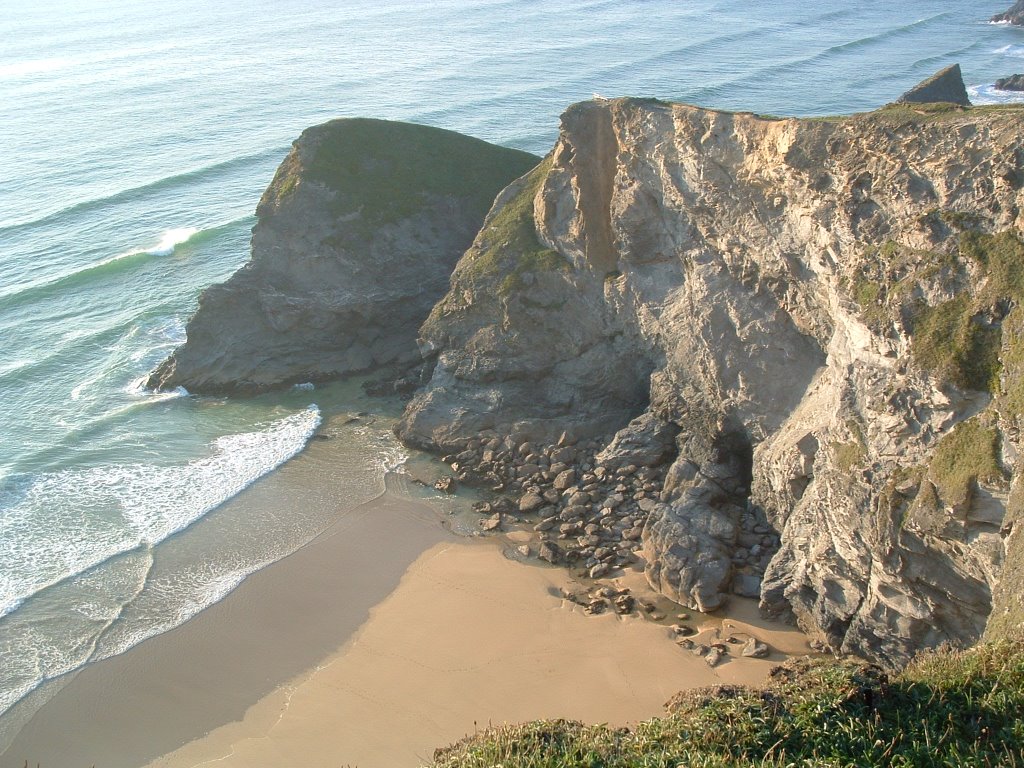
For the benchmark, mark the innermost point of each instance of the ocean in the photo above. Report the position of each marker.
(137, 140)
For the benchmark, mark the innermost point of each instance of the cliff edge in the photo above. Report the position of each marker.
(354, 242)
(806, 334)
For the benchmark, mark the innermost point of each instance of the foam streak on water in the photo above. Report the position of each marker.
(64, 523)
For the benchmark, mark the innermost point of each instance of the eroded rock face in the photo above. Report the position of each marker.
(770, 291)
(355, 240)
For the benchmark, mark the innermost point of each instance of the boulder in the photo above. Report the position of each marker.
(645, 441)
(755, 649)
(531, 502)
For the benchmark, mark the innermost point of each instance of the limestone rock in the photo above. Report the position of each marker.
(355, 199)
(945, 85)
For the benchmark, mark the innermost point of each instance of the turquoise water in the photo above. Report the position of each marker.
(137, 140)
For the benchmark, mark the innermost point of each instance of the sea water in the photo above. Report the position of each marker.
(137, 138)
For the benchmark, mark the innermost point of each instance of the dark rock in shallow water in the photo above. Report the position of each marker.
(945, 85)
(1013, 15)
(1011, 83)
(355, 241)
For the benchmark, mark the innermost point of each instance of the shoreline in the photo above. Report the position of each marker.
(408, 635)
(469, 639)
(126, 710)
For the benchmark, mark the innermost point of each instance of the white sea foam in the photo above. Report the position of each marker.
(1016, 51)
(171, 239)
(989, 94)
(66, 522)
(137, 388)
(306, 386)
(17, 364)
(202, 591)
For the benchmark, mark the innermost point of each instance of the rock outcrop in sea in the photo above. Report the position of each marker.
(1011, 83)
(355, 240)
(945, 85)
(1013, 15)
(771, 357)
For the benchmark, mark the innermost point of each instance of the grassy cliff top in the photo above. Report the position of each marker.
(388, 169)
(962, 708)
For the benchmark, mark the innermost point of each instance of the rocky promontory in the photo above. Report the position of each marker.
(819, 318)
(1011, 83)
(1013, 15)
(770, 357)
(354, 242)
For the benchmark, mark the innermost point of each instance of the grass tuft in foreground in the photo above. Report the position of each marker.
(948, 708)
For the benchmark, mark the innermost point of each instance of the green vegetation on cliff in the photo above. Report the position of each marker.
(387, 169)
(963, 457)
(960, 341)
(509, 246)
(953, 708)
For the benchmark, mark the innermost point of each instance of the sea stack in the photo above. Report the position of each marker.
(355, 239)
(946, 85)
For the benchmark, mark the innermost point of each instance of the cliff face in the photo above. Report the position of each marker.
(355, 240)
(824, 311)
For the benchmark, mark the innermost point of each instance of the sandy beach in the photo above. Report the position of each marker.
(382, 640)
(469, 638)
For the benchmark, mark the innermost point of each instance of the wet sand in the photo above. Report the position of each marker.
(280, 622)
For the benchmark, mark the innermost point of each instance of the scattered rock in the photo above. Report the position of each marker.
(549, 552)
(625, 604)
(599, 570)
(564, 480)
(755, 649)
(492, 523)
(713, 657)
(531, 502)
(747, 585)
(682, 630)
(445, 484)
(596, 606)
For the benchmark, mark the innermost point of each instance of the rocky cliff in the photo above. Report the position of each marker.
(355, 240)
(806, 334)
